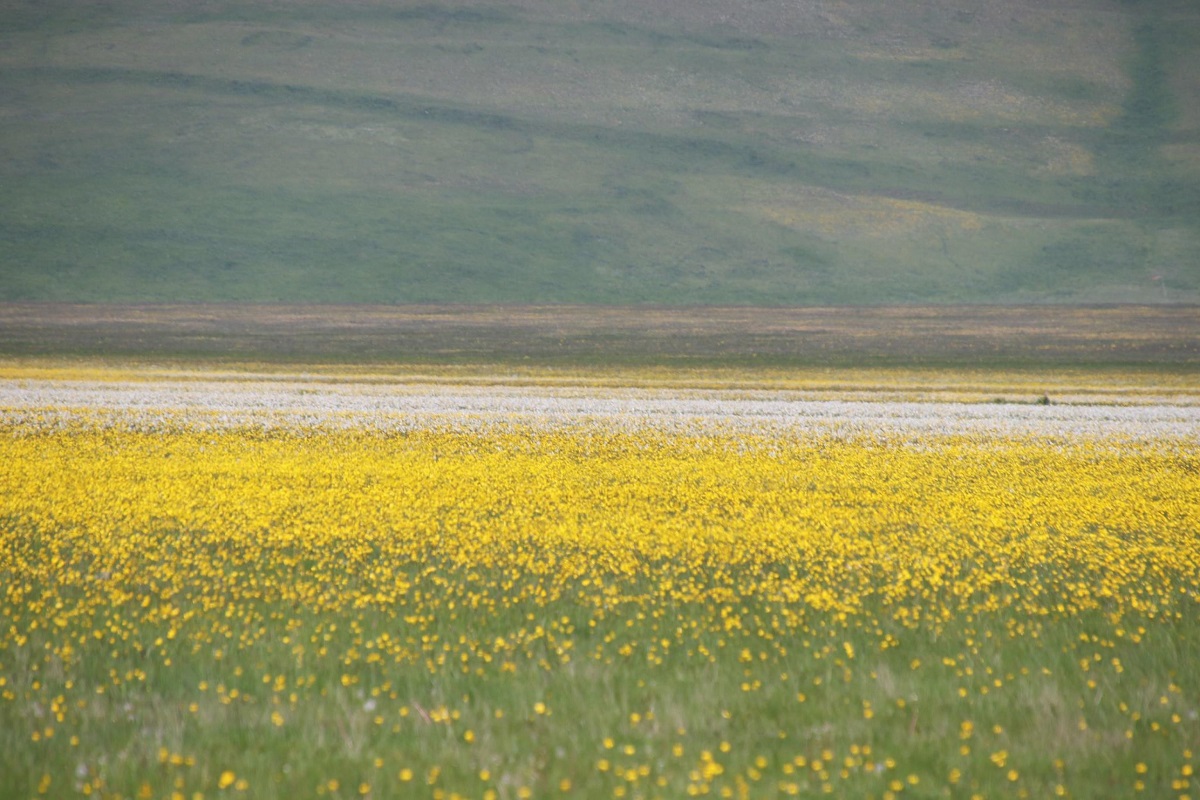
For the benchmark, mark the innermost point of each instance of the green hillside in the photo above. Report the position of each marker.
(600, 151)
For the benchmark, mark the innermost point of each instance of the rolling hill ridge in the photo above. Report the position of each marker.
(701, 152)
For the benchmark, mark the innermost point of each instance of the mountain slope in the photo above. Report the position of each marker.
(733, 151)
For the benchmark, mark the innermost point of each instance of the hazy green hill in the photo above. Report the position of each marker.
(617, 151)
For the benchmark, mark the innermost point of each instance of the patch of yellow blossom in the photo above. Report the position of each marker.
(241, 574)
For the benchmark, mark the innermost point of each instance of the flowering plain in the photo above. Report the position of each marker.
(280, 588)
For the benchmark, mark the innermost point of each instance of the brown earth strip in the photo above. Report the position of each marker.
(1150, 337)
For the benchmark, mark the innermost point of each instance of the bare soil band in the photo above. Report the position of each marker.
(1151, 337)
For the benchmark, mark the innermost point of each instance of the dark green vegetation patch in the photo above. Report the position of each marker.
(716, 152)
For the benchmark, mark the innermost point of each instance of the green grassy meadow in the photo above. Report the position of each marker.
(535, 151)
(289, 610)
(994, 203)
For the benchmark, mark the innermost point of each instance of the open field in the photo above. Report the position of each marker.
(266, 584)
(270, 402)
(710, 152)
(730, 340)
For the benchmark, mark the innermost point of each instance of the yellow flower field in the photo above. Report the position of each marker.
(528, 610)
